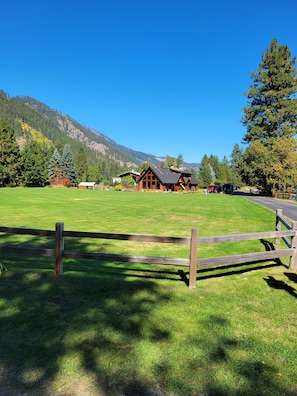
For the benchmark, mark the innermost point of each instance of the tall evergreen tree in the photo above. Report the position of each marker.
(55, 167)
(35, 163)
(67, 163)
(271, 119)
(81, 165)
(205, 175)
(215, 164)
(10, 156)
(272, 110)
(206, 172)
(236, 158)
(236, 164)
(99, 171)
(226, 173)
(204, 161)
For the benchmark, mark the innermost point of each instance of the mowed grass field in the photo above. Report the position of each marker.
(105, 328)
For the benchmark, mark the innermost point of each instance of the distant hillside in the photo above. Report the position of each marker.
(28, 114)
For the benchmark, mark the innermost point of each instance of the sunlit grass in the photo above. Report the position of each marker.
(132, 329)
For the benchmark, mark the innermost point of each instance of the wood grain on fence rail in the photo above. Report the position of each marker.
(127, 237)
(127, 258)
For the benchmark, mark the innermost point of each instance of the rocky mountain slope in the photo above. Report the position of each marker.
(27, 114)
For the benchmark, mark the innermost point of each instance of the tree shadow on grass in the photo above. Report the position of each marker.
(126, 271)
(85, 321)
(219, 360)
(82, 334)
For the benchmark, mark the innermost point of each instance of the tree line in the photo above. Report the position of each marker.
(214, 171)
(40, 163)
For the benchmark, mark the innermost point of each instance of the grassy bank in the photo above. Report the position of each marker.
(128, 329)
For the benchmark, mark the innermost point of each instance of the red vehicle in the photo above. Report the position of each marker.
(214, 189)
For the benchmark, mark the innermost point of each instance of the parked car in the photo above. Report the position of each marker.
(228, 188)
(214, 189)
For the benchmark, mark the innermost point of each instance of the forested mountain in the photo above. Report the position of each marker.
(30, 117)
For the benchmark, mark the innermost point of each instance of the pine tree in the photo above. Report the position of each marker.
(10, 156)
(205, 175)
(35, 164)
(236, 158)
(67, 164)
(236, 164)
(55, 167)
(215, 165)
(226, 173)
(272, 110)
(81, 165)
(271, 120)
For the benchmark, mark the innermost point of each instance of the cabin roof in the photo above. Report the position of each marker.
(128, 173)
(87, 184)
(165, 175)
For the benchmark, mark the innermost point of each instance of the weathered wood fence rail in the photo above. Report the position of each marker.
(289, 236)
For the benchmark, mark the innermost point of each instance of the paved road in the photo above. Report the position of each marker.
(289, 208)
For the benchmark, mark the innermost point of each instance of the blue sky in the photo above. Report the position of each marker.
(165, 77)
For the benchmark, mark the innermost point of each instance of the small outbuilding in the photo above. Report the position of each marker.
(87, 185)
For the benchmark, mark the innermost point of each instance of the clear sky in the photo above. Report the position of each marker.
(165, 77)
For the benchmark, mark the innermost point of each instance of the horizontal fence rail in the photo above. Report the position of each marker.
(289, 236)
(127, 237)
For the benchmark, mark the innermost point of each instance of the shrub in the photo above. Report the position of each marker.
(63, 181)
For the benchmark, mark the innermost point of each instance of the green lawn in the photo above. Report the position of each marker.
(130, 329)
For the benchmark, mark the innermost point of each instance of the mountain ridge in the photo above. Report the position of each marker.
(55, 125)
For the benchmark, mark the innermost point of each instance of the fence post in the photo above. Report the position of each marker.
(193, 259)
(293, 259)
(59, 248)
(278, 224)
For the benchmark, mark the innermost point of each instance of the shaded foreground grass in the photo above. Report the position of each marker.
(123, 329)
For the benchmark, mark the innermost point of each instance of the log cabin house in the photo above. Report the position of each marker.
(166, 179)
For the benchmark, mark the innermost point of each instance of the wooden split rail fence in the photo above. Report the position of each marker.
(289, 236)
